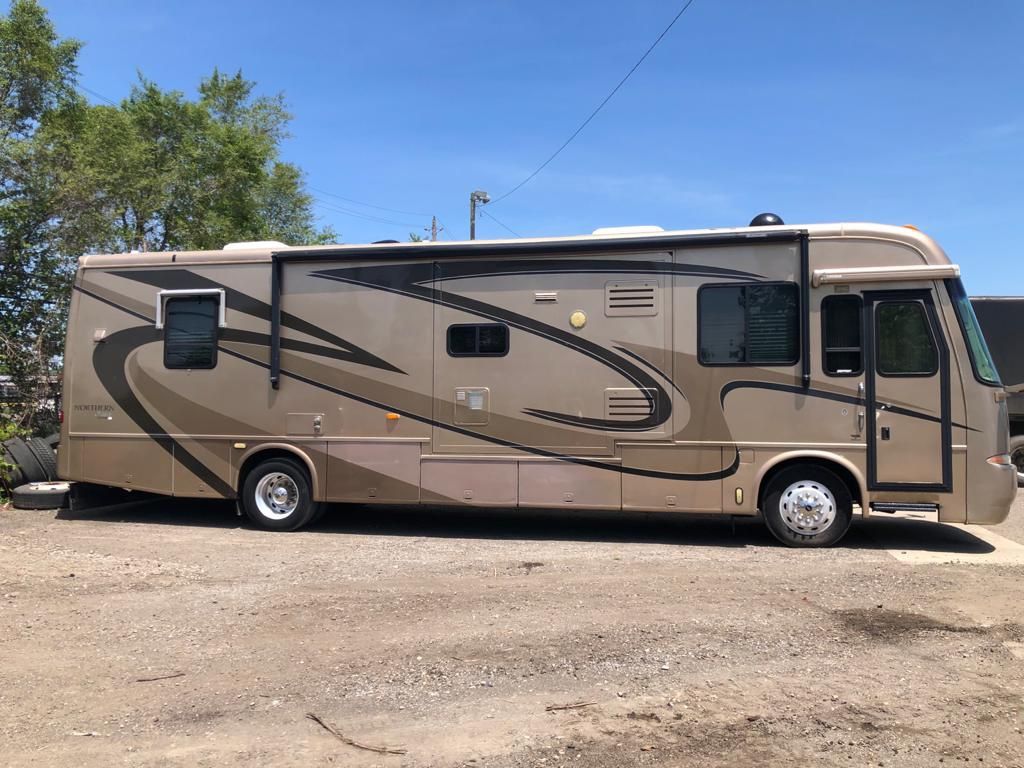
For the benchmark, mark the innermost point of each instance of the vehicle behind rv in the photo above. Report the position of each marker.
(803, 373)
(1001, 319)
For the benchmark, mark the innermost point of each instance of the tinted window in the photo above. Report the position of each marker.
(841, 333)
(905, 344)
(478, 340)
(981, 358)
(748, 324)
(190, 332)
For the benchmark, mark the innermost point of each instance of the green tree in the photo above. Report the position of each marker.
(37, 78)
(159, 171)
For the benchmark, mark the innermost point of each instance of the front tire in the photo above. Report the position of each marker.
(277, 495)
(807, 506)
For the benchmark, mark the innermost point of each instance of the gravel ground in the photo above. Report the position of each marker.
(659, 640)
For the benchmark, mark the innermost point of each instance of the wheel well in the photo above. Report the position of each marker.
(265, 455)
(839, 470)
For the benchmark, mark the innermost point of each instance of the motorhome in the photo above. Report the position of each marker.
(803, 373)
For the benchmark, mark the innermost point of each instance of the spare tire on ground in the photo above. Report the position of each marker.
(40, 496)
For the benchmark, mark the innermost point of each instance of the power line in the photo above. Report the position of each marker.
(600, 106)
(445, 230)
(359, 214)
(99, 96)
(367, 205)
(489, 215)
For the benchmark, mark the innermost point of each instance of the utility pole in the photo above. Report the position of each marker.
(433, 229)
(477, 196)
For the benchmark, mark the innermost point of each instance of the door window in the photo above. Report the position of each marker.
(905, 343)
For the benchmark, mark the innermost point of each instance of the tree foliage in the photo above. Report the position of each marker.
(37, 78)
(159, 171)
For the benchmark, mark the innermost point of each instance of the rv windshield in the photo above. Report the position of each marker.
(981, 359)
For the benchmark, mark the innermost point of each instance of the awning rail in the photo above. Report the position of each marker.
(835, 275)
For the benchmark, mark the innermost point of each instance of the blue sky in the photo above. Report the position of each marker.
(908, 112)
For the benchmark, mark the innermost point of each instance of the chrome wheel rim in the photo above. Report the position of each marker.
(807, 508)
(277, 496)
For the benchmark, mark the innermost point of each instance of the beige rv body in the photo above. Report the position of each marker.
(598, 403)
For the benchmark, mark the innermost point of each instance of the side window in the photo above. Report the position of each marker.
(488, 340)
(841, 329)
(748, 324)
(190, 331)
(905, 343)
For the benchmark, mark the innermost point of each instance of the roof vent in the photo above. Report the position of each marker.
(640, 230)
(252, 245)
(766, 220)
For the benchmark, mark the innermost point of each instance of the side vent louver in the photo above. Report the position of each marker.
(631, 299)
(628, 404)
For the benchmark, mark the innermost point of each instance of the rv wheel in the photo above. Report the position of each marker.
(807, 506)
(276, 495)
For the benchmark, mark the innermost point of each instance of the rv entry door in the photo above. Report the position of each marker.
(909, 434)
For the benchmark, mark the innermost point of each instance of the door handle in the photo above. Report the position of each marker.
(886, 434)
(860, 422)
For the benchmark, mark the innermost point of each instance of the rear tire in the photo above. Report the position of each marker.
(807, 506)
(1017, 457)
(277, 495)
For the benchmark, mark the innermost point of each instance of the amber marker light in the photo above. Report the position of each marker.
(393, 416)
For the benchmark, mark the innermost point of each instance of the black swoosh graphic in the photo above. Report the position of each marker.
(182, 279)
(467, 269)
(825, 395)
(108, 360)
(596, 463)
(408, 280)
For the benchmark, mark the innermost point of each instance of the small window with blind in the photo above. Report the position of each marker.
(190, 332)
(485, 340)
(841, 330)
(748, 324)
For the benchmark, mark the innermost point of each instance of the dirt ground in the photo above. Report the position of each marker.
(660, 641)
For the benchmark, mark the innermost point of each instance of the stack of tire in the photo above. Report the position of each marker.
(32, 472)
